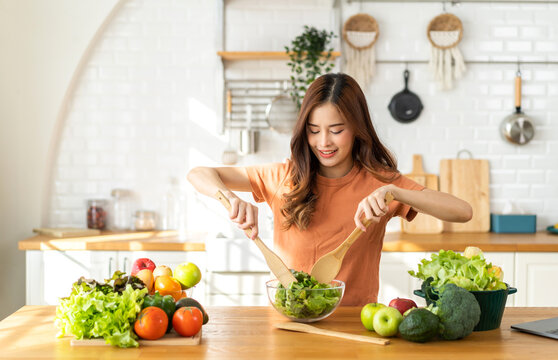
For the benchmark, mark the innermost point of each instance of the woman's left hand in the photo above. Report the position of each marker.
(373, 206)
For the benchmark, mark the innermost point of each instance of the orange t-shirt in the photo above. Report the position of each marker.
(331, 224)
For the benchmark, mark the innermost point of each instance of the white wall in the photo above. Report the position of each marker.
(149, 104)
(41, 44)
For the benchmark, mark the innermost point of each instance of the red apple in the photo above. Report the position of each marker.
(143, 263)
(402, 304)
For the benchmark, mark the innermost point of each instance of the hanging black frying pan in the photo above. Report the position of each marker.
(405, 106)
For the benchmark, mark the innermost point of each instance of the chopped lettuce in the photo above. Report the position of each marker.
(302, 301)
(106, 310)
(473, 274)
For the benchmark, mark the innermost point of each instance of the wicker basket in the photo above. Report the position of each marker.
(445, 22)
(361, 23)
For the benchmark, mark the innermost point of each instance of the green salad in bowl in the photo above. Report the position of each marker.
(307, 300)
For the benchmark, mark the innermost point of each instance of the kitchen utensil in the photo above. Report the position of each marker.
(229, 155)
(422, 223)
(405, 106)
(276, 265)
(360, 33)
(517, 128)
(170, 339)
(66, 232)
(468, 179)
(327, 267)
(291, 303)
(282, 113)
(248, 136)
(294, 326)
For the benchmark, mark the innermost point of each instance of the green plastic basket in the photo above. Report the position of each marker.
(492, 304)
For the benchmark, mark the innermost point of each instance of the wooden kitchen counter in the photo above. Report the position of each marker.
(168, 241)
(114, 241)
(247, 333)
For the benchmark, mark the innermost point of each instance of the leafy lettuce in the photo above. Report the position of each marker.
(302, 300)
(473, 274)
(106, 310)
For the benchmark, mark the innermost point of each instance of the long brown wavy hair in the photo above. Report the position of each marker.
(344, 93)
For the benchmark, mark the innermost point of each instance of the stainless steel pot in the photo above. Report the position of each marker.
(517, 128)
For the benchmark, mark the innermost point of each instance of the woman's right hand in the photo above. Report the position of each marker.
(244, 214)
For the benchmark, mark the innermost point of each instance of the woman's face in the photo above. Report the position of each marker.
(331, 141)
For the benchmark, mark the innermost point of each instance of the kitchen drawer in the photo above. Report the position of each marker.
(235, 255)
(237, 283)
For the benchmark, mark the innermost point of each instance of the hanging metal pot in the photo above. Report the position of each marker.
(405, 106)
(517, 128)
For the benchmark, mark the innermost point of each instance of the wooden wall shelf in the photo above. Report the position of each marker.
(261, 55)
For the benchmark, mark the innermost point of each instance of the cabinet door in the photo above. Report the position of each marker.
(237, 288)
(171, 259)
(505, 260)
(535, 277)
(395, 280)
(60, 269)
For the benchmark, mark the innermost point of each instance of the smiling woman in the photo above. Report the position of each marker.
(338, 174)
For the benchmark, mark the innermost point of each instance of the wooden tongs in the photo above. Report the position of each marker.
(276, 265)
(327, 267)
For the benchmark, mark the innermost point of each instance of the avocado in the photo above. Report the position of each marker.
(191, 302)
(420, 325)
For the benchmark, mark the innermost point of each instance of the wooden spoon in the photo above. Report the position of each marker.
(327, 267)
(293, 326)
(276, 265)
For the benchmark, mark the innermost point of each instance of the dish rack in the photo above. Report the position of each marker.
(246, 102)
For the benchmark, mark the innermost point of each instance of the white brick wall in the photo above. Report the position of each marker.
(149, 102)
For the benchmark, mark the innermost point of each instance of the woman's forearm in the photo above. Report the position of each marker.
(206, 180)
(441, 205)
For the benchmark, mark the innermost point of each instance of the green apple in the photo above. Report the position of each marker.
(187, 274)
(386, 321)
(367, 314)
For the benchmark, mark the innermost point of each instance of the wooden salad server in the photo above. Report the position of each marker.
(327, 267)
(294, 326)
(276, 265)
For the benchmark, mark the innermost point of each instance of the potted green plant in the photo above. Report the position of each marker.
(308, 59)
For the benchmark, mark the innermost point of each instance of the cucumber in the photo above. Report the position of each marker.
(191, 302)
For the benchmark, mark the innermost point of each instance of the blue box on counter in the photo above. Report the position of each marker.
(512, 223)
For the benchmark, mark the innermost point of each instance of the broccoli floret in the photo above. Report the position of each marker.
(457, 308)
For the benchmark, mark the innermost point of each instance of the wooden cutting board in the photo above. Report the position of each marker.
(468, 179)
(422, 223)
(170, 339)
(66, 232)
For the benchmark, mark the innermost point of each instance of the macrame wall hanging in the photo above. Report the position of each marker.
(360, 32)
(446, 62)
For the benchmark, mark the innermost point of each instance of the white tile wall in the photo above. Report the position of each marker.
(149, 101)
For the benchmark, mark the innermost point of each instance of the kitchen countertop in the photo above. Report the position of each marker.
(168, 241)
(247, 333)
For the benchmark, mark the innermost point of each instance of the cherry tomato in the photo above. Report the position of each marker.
(187, 321)
(151, 323)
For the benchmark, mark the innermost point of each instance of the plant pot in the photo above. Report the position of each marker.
(492, 304)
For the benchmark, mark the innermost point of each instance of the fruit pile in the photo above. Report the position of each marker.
(167, 306)
(148, 303)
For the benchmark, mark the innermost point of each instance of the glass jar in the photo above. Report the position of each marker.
(97, 214)
(121, 209)
(144, 220)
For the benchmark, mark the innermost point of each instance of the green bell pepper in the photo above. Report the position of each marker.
(166, 303)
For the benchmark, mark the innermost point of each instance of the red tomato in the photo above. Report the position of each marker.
(151, 323)
(187, 320)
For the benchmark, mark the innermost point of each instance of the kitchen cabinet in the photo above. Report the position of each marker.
(50, 274)
(535, 275)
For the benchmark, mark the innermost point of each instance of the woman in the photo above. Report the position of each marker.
(339, 173)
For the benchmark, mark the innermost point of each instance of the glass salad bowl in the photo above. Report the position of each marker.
(305, 304)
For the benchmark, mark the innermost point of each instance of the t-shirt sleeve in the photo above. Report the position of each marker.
(267, 180)
(403, 210)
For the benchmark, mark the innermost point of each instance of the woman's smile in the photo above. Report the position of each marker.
(331, 140)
